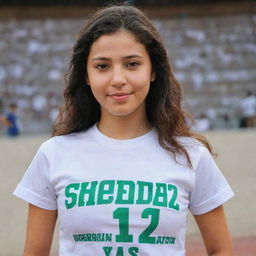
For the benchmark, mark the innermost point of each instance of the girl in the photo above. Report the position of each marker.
(123, 167)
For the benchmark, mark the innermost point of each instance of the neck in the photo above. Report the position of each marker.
(123, 128)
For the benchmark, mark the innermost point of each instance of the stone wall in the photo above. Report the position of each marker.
(212, 57)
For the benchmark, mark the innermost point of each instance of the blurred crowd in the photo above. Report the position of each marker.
(213, 58)
(246, 110)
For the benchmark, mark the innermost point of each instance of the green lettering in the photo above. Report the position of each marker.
(160, 240)
(90, 191)
(72, 195)
(122, 214)
(108, 237)
(120, 251)
(144, 189)
(106, 188)
(94, 237)
(89, 237)
(160, 198)
(127, 188)
(75, 238)
(133, 251)
(107, 250)
(145, 237)
(173, 204)
(172, 240)
(85, 237)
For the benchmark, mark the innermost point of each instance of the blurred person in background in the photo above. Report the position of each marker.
(1, 113)
(202, 124)
(1, 106)
(248, 110)
(11, 121)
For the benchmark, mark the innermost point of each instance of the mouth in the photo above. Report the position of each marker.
(120, 96)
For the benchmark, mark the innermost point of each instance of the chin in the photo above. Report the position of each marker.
(121, 113)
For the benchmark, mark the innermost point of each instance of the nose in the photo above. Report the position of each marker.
(119, 78)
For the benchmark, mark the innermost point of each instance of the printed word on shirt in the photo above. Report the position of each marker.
(124, 192)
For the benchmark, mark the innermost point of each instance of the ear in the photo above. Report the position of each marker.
(153, 77)
(87, 80)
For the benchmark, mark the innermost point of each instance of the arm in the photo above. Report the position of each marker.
(5, 121)
(214, 230)
(40, 229)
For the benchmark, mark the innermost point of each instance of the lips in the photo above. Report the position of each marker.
(120, 96)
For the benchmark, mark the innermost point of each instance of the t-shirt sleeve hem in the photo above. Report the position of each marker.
(32, 198)
(216, 201)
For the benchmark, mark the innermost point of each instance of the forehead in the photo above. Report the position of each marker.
(118, 43)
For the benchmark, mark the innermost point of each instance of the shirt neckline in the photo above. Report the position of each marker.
(98, 135)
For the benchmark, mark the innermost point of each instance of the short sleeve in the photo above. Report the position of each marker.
(35, 187)
(211, 189)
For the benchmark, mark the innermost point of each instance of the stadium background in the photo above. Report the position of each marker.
(212, 47)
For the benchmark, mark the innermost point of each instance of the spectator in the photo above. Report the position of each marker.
(1, 106)
(11, 121)
(202, 124)
(248, 111)
(39, 105)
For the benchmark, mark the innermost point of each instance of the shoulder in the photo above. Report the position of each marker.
(196, 149)
(64, 142)
(190, 143)
(8, 115)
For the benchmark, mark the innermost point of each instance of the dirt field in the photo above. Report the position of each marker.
(237, 160)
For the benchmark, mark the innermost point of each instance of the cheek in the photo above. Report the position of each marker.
(140, 83)
(97, 92)
(97, 86)
(142, 77)
(94, 77)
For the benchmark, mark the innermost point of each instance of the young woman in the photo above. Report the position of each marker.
(123, 168)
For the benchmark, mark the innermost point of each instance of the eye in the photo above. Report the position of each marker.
(133, 64)
(102, 66)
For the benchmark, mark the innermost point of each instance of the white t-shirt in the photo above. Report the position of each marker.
(122, 197)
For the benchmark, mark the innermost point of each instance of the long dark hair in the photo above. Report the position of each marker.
(164, 100)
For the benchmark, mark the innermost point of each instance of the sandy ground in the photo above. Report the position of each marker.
(237, 160)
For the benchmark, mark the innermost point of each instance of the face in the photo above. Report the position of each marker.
(119, 73)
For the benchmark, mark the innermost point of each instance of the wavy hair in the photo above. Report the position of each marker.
(164, 100)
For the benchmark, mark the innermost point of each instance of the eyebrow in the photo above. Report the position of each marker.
(125, 58)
